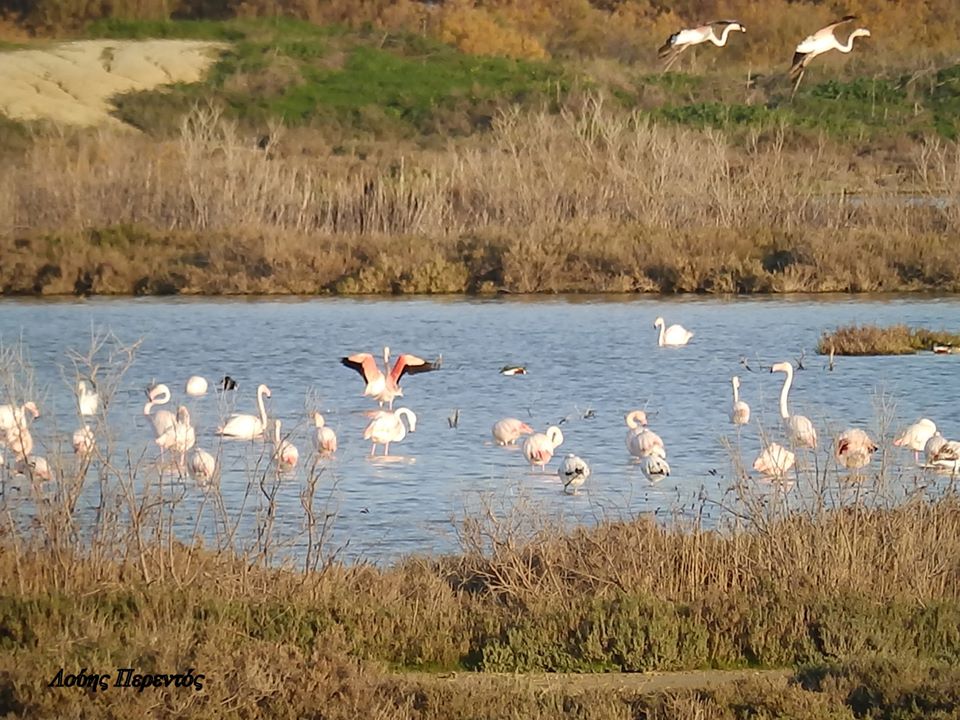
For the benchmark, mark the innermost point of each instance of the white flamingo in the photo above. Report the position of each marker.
(196, 386)
(946, 456)
(509, 430)
(640, 441)
(916, 436)
(384, 385)
(932, 447)
(799, 427)
(823, 40)
(325, 438)
(387, 427)
(740, 414)
(673, 336)
(83, 441)
(655, 468)
(180, 436)
(87, 399)
(20, 441)
(285, 452)
(774, 461)
(539, 447)
(854, 448)
(162, 420)
(34, 466)
(12, 416)
(671, 50)
(202, 466)
(573, 471)
(247, 427)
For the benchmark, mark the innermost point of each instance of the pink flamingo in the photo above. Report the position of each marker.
(509, 430)
(384, 385)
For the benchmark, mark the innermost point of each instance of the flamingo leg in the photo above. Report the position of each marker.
(797, 84)
(373, 450)
(386, 449)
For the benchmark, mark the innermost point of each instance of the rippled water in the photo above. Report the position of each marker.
(583, 354)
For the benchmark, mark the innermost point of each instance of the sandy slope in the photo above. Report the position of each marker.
(72, 83)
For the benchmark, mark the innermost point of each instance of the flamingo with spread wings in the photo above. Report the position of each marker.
(384, 385)
(823, 40)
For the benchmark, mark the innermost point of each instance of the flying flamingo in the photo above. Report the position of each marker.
(799, 427)
(386, 387)
(916, 436)
(774, 461)
(539, 447)
(673, 336)
(823, 40)
(162, 420)
(285, 452)
(740, 414)
(387, 427)
(574, 472)
(247, 427)
(325, 438)
(87, 399)
(854, 448)
(508, 430)
(671, 50)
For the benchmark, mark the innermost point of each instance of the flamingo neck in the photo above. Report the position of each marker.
(661, 334)
(784, 413)
(263, 410)
(722, 40)
(736, 394)
(844, 48)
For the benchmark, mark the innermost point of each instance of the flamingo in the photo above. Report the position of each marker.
(247, 427)
(326, 438)
(799, 427)
(823, 40)
(688, 37)
(386, 387)
(673, 336)
(202, 466)
(539, 447)
(162, 420)
(387, 427)
(508, 430)
(83, 441)
(574, 472)
(947, 456)
(180, 436)
(655, 468)
(932, 446)
(740, 414)
(20, 442)
(37, 467)
(854, 448)
(774, 461)
(196, 386)
(12, 416)
(87, 399)
(285, 452)
(916, 436)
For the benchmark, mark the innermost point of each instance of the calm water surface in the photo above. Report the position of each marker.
(583, 354)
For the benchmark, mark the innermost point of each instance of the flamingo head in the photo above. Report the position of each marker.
(318, 419)
(386, 354)
(265, 390)
(860, 32)
(658, 322)
(32, 407)
(183, 415)
(736, 382)
(781, 367)
(157, 391)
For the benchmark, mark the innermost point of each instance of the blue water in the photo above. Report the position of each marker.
(583, 354)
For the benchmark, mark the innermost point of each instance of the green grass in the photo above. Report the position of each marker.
(876, 340)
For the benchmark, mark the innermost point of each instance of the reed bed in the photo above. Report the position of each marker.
(586, 199)
(876, 340)
(871, 572)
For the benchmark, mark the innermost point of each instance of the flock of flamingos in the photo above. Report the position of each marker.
(174, 432)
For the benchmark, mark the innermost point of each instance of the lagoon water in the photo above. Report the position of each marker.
(590, 359)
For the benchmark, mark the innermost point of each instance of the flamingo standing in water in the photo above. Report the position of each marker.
(671, 50)
(384, 385)
(573, 471)
(326, 438)
(916, 436)
(641, 441)
(539, 447)
(12, 416)
(799, 427)
(162, 420)
(854, 448)
(202, 466)
(509, 430)
(933, 446)
(387, 427)
(87, 399)
(946, 455)
(285, 452)
(180, 436)
(673, 336)
(774, 461)
(740, 414)
(83, 441)
(655, 468)
(247, 427)
(823, 40)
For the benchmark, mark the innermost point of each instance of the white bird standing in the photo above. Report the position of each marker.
(932, 447)
(162, 420)
(83, 441)
(196, 386)
(202, 466)
(946, 456)
(387, 427)
(285, 452)
(671, 50)
(35, 466)
(539, 447)
(12, 416)
(325, 438)
(247, 427)
(823, 40)
(573, 471)
(774, 461)
(20, 441)
(87, 399)
(180, 436)
(673, 336)
(509, 430)
(655, 468)
(799, 427)
(740, 414)
(916, 436)
(854, 448)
